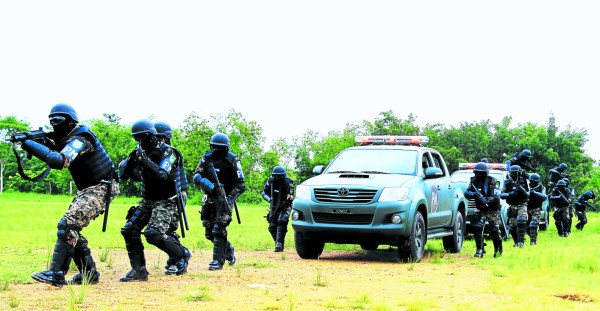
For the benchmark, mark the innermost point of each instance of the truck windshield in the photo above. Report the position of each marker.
(465, 176)
(373, 161)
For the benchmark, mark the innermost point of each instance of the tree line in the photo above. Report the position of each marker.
(467, 142)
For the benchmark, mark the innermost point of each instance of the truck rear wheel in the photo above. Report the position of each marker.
(412, 248)
(306, 248)
(454, 242)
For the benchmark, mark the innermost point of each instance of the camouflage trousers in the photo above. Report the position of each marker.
(516, 211)
(534, 215)
(562, 214)
(87, 205)
(161, 215)
(493, 222)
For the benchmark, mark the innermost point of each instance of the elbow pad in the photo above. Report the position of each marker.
(266, 197)
(204, 183)
(54, 159)
(469, 195)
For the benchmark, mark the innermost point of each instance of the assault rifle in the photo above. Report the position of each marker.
(590, 207)
(39, 135)
(223, 196)
(502, 218)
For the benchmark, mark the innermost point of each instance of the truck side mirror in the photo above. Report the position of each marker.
(318, 169)
(433, 172)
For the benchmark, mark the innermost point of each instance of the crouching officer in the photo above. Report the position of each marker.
(520, 159)
(561, 199)
(279, 192)
(557, 174)
(580, 206)
(165, 134)
(537, 196)
(75, 147)
(516, 194)
(220, 176)
(483, 190)
(158, 167)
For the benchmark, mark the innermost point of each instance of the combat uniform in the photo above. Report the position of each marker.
(279, 192)
(516, 193)
(92, 171)
(580, 206)
(561, 199)
(537, 197)
(216, 213)
(157, 211)
(483, 191)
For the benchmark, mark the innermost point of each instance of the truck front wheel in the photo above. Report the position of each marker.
(412, 248)
(306, 248)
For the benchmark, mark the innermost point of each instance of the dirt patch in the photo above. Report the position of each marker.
(264, 280)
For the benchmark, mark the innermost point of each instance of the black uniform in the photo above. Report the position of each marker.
(521, 160)
(483, 191)
(537, 196)
(580, 206)
(92, 170)
(561, 199)
(555, 175)
(157, 211)
(216, 213)
(279, 193)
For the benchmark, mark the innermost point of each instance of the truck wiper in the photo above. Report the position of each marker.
(340, 172)
(374, 172)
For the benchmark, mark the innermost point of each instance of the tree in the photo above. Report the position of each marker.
(8, 125)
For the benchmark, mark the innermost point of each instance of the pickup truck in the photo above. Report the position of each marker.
(390, 190)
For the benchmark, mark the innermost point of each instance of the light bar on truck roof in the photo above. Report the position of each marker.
(492, 166)
(392, 140)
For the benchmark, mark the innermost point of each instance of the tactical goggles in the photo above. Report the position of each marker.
(56, 120)
(139, 137)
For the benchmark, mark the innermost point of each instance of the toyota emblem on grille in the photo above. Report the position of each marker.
(342, 192)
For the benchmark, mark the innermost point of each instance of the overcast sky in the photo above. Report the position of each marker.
(294, 66)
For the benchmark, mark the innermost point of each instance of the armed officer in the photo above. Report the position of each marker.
(522, 159)
(483, 190)
(557, 174)
(516, 194)
(571, 190)
(279, 192)
(75, 147)
(165, 134)
(561, 199)
(537, 196)
(580, 206)
(158, 167)
(220, 176)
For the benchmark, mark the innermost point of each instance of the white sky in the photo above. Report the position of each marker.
(293, 66)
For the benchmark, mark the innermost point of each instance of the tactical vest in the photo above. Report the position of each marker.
(154, 188)
(225, 168)
(521, 197)
(488, 192)
(91, 167)
(536, 200)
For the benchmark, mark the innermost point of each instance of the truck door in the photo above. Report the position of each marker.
(432, 192)
(445, 193)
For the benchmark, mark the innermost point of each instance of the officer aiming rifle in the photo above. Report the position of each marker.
(39, 136)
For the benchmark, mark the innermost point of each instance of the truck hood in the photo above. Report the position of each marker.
(359, 179)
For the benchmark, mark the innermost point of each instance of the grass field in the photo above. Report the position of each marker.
(532, 277)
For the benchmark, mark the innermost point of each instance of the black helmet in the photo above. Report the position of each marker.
(561, 183)
(562, 167)
(590, 194)
(65, 110)
(279, 170)
(163, 129)
(515, 169)
(485, 160)
(566, 180)
(220, 139)
(526, 153)
(143, 126)
(534, 177)
(480, 169)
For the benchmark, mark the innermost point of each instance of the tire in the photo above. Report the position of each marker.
(454, 242)
(544, 227)
(369, 246)
(412, 248)
(307, 249)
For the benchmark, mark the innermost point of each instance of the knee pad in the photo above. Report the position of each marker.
(63, 229)
(153, 236)
(127, 230)
(208, 234)
(522, 221)
(282, 222)
(219, 231)
(584, 221)
(284, 218)
(533, 224)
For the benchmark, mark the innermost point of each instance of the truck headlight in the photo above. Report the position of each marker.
(393, 194)
(396, 219)
(303, 192)
(295, 215)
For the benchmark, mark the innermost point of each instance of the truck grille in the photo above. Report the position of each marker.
(350, 195)
(343, 219)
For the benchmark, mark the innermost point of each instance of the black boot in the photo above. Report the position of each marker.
(230, 254)
(86, 266)
(180, 266)
(497, 247)
(138, 274)
(521, 230)
(559, 228)
(568, 228)
(280, 239)
(218, 254)
(62, 253)
(273, 231)
(479, 244)
(513, 233)
(533, 233)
